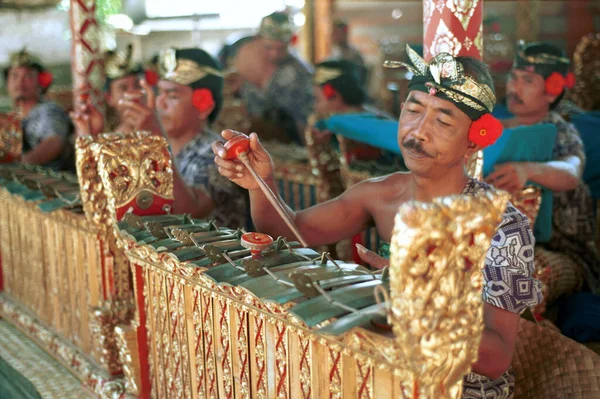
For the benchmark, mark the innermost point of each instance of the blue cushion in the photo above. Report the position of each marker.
(588, 125)
(501, 112)
(526, 144)
(365, 128)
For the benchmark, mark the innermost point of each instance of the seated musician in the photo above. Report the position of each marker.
(122, 77)
(189, 100)
(445, 119)
(277, 84)
(536, 85)
(45, 124)
(337, 90)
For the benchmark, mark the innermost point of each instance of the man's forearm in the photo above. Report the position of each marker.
(48, 150)
(188, 200)
(555, 175)
(495, 356)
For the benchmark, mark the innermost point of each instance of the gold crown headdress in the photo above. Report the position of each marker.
(118, 64)
(277, 26)
(325, 74)
(23, 59)
(446, 75)
(183, 71)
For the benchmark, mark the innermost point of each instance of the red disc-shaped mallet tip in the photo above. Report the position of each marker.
(236, 146)
(256, 242)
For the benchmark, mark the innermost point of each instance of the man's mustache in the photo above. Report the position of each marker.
(515, 98)
(416, 147)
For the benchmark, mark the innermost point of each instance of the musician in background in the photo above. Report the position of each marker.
(122, 77)
(45, 124)
(535, 87)
(277, 88)
(342, 50)
(337, 91)
(445, 119)
(189, 100)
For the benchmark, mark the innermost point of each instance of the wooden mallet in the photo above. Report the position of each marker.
(237, 148)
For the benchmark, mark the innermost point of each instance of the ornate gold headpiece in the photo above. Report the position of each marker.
(23, 59)
(325, 74)
(277, 26)
(535, 56)
(118, 64)
(183, 71)
(446, 75)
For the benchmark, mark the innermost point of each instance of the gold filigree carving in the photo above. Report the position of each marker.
(11, 137)
(126, 339)
(437, 254)
(528, 201)
(335, 373)
(103, 323)
(260, 356)
(130, 165)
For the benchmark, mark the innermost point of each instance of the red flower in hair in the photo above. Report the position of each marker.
(45, 79)
(203, 100)
(151, 77)
(294, 40)
(570, 80)
(555, 84)
(485, 131)
(329, 91)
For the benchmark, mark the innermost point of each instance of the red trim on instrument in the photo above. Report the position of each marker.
(157, 207)
(142, 335)
(103, 268)
(357, 239)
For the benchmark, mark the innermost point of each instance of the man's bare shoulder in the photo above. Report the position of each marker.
(382, 185)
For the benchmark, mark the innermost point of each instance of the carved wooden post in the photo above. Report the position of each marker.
(528, 25)
(453, 26)
(86, 53)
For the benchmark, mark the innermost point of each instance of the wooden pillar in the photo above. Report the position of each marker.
(580, 22)
(86, 53)
(528, 20)
(323, 11)
(453, 26)
(308, 31)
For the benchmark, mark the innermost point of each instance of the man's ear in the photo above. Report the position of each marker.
(472, 148)
(205, 114)
(550, 98)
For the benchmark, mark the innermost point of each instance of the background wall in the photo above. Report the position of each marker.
(372, 22)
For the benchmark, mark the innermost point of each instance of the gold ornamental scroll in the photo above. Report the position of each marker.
(86, 53)
(126, 173)
(436, 281)
(453, 26)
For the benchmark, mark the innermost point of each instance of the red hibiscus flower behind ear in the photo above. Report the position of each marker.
(570, 81)
(485, 131)
(555, 84)
(151, 77)
(45, 79)
(329, 90)
(294, 40)
(203, 100)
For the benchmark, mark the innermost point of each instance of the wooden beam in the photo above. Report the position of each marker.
(323, 22)
(580, 22)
